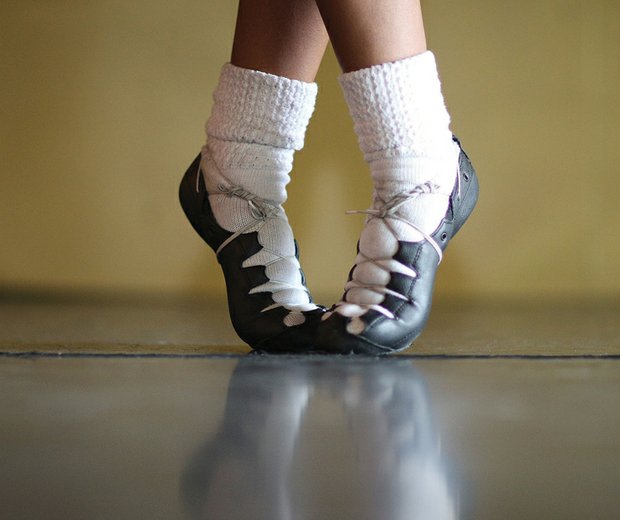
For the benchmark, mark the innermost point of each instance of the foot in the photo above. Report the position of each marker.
(397, 313)
(269, 303)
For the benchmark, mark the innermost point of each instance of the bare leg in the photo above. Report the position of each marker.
(282, 37)
(368, 32)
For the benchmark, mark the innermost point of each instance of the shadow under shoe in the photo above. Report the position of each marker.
(263, 330)
(382, 334)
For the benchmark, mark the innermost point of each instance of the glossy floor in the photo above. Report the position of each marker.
(96, 434)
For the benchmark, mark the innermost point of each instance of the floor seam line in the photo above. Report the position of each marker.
(99, 355)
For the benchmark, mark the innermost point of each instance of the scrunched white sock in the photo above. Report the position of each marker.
(257, 122)
(402, 126)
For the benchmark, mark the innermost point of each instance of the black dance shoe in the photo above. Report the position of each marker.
(263, 323)
(398, 320)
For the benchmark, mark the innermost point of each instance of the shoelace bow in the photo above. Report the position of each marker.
(387, 211)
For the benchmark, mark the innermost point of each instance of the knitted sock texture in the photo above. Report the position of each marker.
(257, 122)
(398, 108)
(403, 130)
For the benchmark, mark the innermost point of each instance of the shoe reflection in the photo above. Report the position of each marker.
(322, 439)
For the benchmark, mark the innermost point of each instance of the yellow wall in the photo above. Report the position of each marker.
(103, 104)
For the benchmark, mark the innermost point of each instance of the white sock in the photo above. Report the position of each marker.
(257, 122)
(403, 130)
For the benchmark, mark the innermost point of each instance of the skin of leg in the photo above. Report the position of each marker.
(282, 37)
(369, 32)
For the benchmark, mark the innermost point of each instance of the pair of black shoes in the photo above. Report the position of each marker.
(262, 323)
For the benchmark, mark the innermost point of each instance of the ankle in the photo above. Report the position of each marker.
(392, 175)
(261, 170)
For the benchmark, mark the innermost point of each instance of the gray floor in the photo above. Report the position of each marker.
(125, 410)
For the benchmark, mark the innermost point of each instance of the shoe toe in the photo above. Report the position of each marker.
(333, 337)
(294, 339)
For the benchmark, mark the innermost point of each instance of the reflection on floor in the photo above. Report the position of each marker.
(139, 433)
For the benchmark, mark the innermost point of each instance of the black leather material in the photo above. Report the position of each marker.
(264, 331)
(383, 335)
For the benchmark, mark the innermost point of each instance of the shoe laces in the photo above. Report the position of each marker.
(263, 210)
(387, 212)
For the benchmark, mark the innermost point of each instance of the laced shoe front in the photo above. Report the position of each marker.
(270, 312)
(402, 305)
(387, 212)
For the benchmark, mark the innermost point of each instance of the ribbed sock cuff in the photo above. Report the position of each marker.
(398, 108)
(256, 107)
